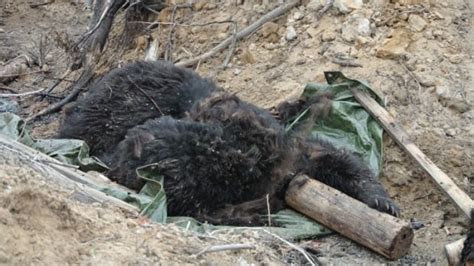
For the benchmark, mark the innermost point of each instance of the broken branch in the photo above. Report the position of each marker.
(275, 13)
(457, 195)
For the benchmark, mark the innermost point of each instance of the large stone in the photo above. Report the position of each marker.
(355, 26)
(395, 46)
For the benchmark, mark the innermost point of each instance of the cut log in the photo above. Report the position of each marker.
(457, 195)
(453, 252)
(380, 232)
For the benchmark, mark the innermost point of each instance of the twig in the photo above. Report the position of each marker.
(146, 95)
(243, 33)
(55, 84)
(8, 89)
(3, 95)
(219, 248)
(232, 46)
(269, 211)
(41, 4)
(24, 74)
(83, 80)
(171, 34)
(326, 7)
(297, 248)
(343, 62)
(413, 77)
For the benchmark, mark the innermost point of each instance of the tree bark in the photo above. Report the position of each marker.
(380, 232)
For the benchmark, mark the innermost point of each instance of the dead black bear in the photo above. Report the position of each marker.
(467, 254)
(221, 161)
(220, 155)
(128, 96)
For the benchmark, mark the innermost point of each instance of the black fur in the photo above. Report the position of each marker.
(128, 96)
(221, 161)
(467, 254)
(345, 171)
(220, 156)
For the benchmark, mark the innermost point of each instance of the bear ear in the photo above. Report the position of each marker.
(139, 141)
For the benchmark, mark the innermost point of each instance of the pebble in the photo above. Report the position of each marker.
(237, 71)
(378, 3)
(417, 23)
(454, 58)
(314, 5)
(438, 33)
(269, 31)
(298, 15)
(395, 46)
(328, 36)
(450, 132)
(290, 33)
(346, 6)
(448, 98)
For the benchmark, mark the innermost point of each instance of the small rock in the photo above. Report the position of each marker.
(237, 71)
(199, 5)
(355, 26)
(300, 61)
(270, 46)
(426, 78)
(290, 33)
(450, 132)
(417, 23)
(346, 6)
(314, 5)
(269, 31)
(455, 58)
(415, 224)
(452, 100)
(211, 6)
(378, 3)
(395, 46)
(298, 15)
(328, 36)
(313, 32)
(437, 33)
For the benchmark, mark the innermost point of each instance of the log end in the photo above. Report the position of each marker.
(401, 243)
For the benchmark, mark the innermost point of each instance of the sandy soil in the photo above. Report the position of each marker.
(419, 56)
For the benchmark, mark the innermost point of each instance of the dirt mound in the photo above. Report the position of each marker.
(419, 54)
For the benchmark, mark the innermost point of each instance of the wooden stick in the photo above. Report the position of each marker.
(382, 233)
(61, 174)
(275, 13)
(453, 252)
(460, 198)
(224, 248)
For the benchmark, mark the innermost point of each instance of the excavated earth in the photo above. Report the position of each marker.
(418, 54)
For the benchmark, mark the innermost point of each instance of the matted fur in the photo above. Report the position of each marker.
(222, 160)
(128, 96)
